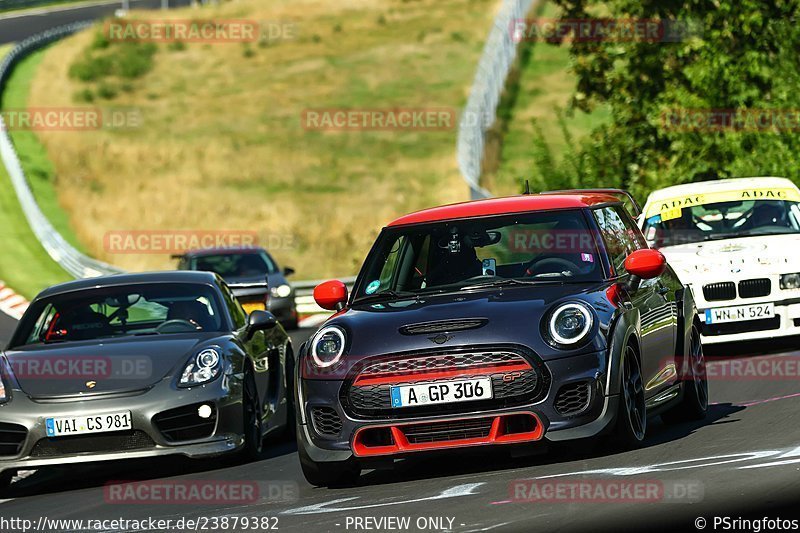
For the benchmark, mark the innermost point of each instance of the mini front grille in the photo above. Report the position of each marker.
(445, 431)
(753, 288)
(573, 398)
(745, 326)
(516, 381)
(111, 442)
(184, 423)
(725, 290)
(326, 421)
(444, 326)
(12, 438)
(439, 362)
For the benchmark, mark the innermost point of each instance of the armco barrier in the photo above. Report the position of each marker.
(490, 79)
(75, 263)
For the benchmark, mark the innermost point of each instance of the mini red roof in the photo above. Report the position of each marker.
(507, 205)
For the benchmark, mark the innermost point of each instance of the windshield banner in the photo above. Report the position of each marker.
(671, 208)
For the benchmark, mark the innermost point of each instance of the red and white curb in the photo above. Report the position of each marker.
(12, 303)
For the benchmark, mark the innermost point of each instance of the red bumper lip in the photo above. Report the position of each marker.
(400, 444)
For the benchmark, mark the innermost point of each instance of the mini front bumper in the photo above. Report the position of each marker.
(593, 419)
(226, 436)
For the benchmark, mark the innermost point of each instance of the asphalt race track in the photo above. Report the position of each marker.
(743, 459)
(16, 26)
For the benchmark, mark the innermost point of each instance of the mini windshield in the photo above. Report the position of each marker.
(141, 309)
(236, 265)
(554, 246)
(722, 220)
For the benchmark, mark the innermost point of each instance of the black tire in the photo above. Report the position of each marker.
(694, 405)
(5, 480)
(631, 424)
(328, 474)
(252, 423)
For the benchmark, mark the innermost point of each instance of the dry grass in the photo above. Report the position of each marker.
(222, 145)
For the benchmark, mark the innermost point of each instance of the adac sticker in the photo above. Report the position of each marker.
(373, 286)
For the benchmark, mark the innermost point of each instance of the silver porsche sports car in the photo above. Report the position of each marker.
(140, 365)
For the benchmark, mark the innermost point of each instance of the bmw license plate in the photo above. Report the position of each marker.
(81, 425)
(443, 392)
(720, 315)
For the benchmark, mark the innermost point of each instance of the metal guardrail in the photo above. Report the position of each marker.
(74, 262)
(480, 112)
(6, 5)
(304, 296)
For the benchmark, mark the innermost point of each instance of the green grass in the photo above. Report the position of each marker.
(540, 94)
(35, 161)
(24, 264)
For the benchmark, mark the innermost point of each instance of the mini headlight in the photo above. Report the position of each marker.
(281, 291)
(328, 346)
(205, 367)
(790, 281)
(570, 323)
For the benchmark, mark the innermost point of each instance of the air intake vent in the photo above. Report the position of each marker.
(753, 288)
(12, 437)
(719, 291)
(326, 421)
(184, 423)
(444, 326)
(112, 442)
(573, 398)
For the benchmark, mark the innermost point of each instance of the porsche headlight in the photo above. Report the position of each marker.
(206, 366)
(281, 291)
(790, 281)
(3, 394)
(327, 347)
(570, 323)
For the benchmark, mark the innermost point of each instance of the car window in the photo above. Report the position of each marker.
(235, 309)
(620, 235)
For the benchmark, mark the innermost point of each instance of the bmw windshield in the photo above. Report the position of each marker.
(542, 247)
(722, 220)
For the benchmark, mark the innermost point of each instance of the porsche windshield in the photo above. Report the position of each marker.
(722, 220)
(141, 309)
(554, 246)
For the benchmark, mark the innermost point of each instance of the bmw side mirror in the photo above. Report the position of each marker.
(259, 320)
(288, 271)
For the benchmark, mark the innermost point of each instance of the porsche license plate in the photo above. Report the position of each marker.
(720, 315)
(81, 425)
(443, 392)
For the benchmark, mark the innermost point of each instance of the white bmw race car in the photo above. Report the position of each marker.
(736, 242)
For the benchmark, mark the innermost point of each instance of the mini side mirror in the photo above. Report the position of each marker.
(331, 295)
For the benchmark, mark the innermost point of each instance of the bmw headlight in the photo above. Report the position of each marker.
(790, 281)
(281, 291)
(570, 323)
(328, 346)
(203, 368)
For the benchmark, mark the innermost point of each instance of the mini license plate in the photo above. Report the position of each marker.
(81, 425)
(442, 392)
(721, 315)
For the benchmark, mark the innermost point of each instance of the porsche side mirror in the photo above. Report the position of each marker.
(331, 295)
(259, 320)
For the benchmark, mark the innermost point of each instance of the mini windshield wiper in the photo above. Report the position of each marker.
(506, 282)
(384, 295)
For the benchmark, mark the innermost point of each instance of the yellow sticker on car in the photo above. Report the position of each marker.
(669, 205)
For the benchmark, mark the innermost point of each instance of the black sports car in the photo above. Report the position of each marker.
(498, 322)
(141, 365)
(253, 276)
